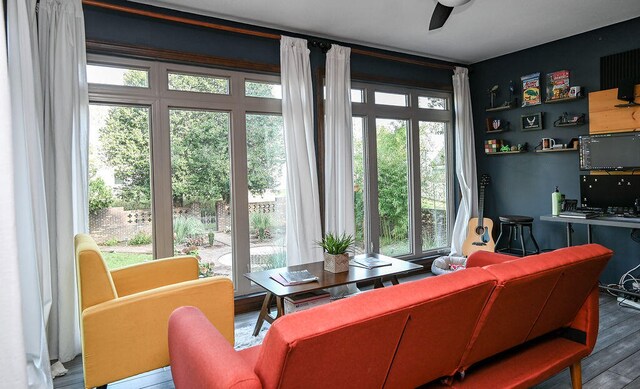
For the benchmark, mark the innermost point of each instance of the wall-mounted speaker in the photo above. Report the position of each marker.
(626, 90)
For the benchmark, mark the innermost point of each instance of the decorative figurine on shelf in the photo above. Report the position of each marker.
(514, 148)
(492, 94)
(511, 90)
(505, 148)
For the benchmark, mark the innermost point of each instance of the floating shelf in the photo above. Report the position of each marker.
(501, 108)
(506, 152)
(563, 100)
(555, 150)
(575, 124)
(496, 131)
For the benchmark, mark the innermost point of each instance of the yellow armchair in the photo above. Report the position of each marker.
(124, 313)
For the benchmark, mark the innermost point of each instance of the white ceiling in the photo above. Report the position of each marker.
(476, 31)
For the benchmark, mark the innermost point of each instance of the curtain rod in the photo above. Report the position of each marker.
(244, 31)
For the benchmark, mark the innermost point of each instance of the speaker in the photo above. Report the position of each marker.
(626, 90)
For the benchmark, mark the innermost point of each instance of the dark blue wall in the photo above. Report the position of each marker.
(522, 183)
(118, 27)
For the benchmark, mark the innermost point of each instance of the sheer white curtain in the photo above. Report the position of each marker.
(338, 155)
(30, 201)
(13, 373)
(303, 205)
(465, 158)
(66, 146)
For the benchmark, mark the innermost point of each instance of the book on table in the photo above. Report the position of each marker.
(298, 277)
(370, 262)
(302, 301)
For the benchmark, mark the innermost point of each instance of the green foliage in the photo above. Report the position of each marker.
(118, 260)
(392, 180)
(261, 222)
(200, 149)
(274, 261)
(111, 242)
(205, 269)
(185, 227)
(336, 244)
(125, 147)
(100, 196)
(139, 239)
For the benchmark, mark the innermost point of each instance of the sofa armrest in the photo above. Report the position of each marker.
(587, 319)
(202, 358)
(150, 275)
(484, 258)
(128, 335)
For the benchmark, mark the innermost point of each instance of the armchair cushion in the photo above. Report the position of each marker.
(150, 275)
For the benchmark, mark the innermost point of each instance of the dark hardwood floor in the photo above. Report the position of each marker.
(614, 363)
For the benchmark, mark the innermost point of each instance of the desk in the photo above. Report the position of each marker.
(607, 221)
(325, 280)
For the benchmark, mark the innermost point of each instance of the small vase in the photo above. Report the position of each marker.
(336, 263)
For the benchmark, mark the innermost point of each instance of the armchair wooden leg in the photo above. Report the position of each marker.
(576, 375)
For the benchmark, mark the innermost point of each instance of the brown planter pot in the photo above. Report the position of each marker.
(336, 263)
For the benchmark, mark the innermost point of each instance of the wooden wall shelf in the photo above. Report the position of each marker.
(563, 100)
(501, 108)
(506, 152)
(555, 150)
(496, 131)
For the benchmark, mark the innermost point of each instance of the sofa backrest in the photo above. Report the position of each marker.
(534, 296)
(396, 337)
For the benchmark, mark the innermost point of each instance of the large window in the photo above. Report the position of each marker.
(403, 170)
(187, 160)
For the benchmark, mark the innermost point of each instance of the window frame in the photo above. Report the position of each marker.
(413, 114)
(160, 100)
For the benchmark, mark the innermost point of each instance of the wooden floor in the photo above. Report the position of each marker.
(614, 363)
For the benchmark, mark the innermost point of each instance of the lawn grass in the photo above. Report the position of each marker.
(117, 260)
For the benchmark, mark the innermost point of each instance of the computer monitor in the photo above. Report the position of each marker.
(619, 151)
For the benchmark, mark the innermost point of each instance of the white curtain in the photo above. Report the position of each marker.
(303, 205)
(66, 146)
(465, 158)
(30, 201)
(13, 373)
(338, 154)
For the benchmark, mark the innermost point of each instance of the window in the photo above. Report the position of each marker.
(115, 75)
(181, 166)
(403, 171)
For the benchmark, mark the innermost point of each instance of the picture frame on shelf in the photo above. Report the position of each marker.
(531, 93)
(558, 86)
(531, 121)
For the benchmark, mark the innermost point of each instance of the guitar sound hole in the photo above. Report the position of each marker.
(479, 230)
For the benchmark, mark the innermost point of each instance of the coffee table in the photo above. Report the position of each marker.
(325, 280)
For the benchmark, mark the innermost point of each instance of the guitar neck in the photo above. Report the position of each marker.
(481, 207)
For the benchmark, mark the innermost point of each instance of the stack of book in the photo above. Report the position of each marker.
(302, 301)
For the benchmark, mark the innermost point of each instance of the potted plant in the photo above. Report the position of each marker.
(335, 249)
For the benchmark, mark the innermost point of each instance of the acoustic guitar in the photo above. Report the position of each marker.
(479, 232)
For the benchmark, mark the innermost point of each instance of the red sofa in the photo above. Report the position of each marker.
(500, 323)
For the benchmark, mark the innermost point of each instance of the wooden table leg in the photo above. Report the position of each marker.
(378, 283)
(280, 306)
(264, 312)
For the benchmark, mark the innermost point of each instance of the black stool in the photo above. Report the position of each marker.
(515, 224)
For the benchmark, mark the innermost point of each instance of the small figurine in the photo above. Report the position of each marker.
(505, 148)
(492, 94)
(514, 148)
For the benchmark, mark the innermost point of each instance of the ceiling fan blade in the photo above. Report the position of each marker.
(440, 16)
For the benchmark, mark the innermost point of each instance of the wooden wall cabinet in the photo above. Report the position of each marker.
(605, 117)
